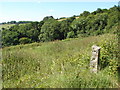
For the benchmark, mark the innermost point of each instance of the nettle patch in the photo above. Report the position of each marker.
(109, 54)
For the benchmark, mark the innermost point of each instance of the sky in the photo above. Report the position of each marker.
(36, 10)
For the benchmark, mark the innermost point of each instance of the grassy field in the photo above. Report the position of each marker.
(59, 64)
(66, 18)
(6, 26)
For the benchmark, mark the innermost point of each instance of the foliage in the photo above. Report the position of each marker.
(70, 34)
(47, 18)
(14, 22)
(24, 40)
(12, 35)
(109, 54)
(9, 37)
(85, 13)
(64, 28)
(49, 29)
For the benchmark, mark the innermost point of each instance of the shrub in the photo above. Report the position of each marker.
(71, 34)
(109, 54)
(24, 40)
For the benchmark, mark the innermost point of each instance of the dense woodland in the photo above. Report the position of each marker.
(49, 29)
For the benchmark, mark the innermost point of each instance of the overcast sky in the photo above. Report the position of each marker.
(36, 10)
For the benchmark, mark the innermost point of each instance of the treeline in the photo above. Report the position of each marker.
(15, 22)
(95, 23)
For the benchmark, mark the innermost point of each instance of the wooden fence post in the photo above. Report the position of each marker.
(94, 59)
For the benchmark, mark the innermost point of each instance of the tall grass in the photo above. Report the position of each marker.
(57, 64)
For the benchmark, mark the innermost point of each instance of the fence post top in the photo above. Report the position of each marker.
(96, 47)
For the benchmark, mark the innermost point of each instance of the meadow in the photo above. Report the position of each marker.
(61, 64)
(6, 26)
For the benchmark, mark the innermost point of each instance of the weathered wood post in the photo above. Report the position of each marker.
(94, 59)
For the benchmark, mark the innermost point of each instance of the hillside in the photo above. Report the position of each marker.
(86, 24)
(7, 26)
(76, 17)
(60, 64)
(56, 53)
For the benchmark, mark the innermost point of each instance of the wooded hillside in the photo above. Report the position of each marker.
(49, 29)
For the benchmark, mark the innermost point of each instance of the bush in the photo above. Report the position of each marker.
(109, 54)
(71, 34)
(24, 40)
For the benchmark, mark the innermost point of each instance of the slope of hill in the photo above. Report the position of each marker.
(98, 22)
(60, 52)
(7, 26)
(60, 64)
(76, 17)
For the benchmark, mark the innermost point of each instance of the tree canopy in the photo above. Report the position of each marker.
(49, 29)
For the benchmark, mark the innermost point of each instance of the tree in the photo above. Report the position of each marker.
(79, 25)
(50, 31)
(33, 34)
(71, 34)
(47, 18)
(40, 25)
(99, 10)
(12, 22)
(9, 38)
(70, 20)
(85, 13)
(64, 28)
(34, 25)
(23, 29)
